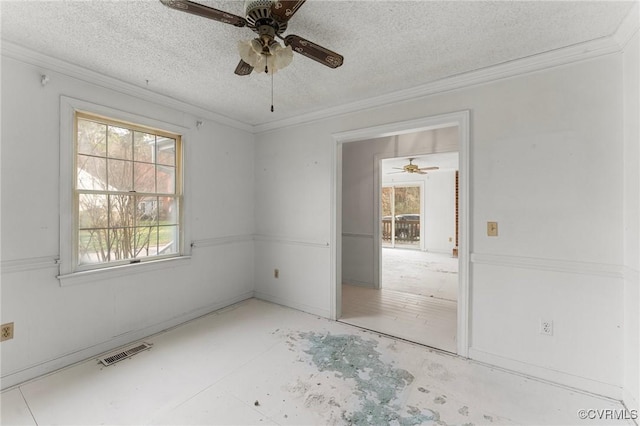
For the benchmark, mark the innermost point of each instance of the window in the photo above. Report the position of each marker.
(127, 193)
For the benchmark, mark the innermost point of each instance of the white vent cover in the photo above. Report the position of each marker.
(127, 353)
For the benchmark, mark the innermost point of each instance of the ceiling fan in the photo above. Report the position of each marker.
(412, 168)
(269, 19)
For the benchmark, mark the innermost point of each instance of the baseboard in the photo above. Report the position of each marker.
(82, 355)
(576, 383)
(630, 401)
(357, 283)
(292, 304)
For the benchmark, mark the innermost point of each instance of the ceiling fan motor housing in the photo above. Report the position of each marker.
(258, 14)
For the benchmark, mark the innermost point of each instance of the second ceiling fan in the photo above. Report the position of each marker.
(413, 168)
(268, 19)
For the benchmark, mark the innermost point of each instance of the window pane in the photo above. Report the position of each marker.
(121, 243)
(144, 146)
(119, 143)
(126, 191)
(166, 180)
(93, 211)
(168, 240)
(91, 173)
(168, 211)
(147, 211)
(146, 241)
(166, 151)
(120, 175)
(144, 177)
(121, 210)
(92, 138)
(92, 246)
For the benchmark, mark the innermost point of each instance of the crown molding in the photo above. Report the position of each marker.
(530, 64)
(14, 51)
(629, 26)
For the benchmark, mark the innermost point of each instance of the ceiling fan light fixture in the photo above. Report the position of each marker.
(282, 56)
(271, 59)
(251, 52)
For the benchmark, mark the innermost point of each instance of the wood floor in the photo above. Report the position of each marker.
(421, 319)
(417, 301)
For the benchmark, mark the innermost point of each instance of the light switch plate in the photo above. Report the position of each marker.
(492, 229)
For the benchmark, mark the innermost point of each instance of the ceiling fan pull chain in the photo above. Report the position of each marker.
(271, 92)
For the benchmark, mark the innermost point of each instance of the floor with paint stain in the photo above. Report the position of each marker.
(258, 363)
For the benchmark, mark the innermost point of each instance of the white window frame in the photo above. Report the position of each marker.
(69, 272)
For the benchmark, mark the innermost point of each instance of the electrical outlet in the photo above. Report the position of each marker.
(546, 327)
(276, 273)
(6, 332)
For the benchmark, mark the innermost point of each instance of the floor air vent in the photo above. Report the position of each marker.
(128, 353)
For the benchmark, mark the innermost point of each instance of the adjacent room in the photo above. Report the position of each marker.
(319, 212)
(400, 240)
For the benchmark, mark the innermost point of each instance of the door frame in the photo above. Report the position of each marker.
(461, 119)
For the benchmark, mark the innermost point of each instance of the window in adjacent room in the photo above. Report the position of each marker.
(127, 193)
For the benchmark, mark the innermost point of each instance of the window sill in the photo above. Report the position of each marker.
(86, 277)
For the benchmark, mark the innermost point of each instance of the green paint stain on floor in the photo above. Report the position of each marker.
(378, 384)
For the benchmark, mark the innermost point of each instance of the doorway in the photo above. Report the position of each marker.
(417, 296)
(359, 257)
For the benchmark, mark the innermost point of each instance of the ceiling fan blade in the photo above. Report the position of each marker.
(393, 173)
(314, 51)
(243, 68)
(205, 11)
(420, 172)
(428, 168)
(283, 10)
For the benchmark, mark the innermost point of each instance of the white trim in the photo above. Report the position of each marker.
(68, 107)
(542, 61)
(460, 119)
(629, 401)
(219, 241)
(568, 266)
(85, 354)
(577, 383)
(288, 303)
(290, 241)
(31, 57)
(629, 26)
(335, 261)
(352, 235)
(631, 274)
(94, 275)
(28, 264)
(358, 283)
(517, 67)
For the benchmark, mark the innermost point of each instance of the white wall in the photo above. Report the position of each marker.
(55, 325)
(546, 155)
(632, 222)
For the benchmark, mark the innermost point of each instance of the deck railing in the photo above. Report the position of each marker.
(406, 230)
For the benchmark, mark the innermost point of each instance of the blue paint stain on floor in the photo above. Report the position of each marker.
(378, 384)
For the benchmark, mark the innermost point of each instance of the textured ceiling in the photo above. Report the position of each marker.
(387, 45)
